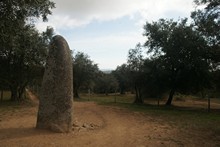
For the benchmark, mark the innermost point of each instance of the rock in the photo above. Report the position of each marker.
(82, 129)
(76, 125)
(76, 129)
(56, 97)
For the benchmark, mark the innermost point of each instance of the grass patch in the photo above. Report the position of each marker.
(6, 95)
(111, 98)
(9, 106)
(182, 117)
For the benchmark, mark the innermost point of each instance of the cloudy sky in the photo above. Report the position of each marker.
(106, 29)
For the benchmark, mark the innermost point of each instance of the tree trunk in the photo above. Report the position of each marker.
(20, 93)
(14, 95)
(140, 95)
(169, 101)
(138, 98)
(21, 90)
(106, 92)
(203, 93)
(2, 95)
(122, 91)
(209, 104)
(76, 94)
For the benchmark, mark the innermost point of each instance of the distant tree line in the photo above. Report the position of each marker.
(88, 77)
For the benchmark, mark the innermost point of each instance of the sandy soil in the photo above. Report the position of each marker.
(98, 126)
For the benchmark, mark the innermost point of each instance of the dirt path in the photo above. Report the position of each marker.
(113, 126)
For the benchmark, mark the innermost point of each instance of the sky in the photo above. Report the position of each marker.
(106, 29)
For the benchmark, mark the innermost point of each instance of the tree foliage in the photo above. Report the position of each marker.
(84, 72)
(155, 78)
(23, 48)
(135, 63)
(183, 54)
(121, 74)
(207, 22)
(106, 83)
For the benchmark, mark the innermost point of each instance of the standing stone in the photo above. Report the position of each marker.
(56, 97)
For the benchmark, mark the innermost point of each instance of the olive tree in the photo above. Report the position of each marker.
(23, 48)
(183, 52)
(84, 72)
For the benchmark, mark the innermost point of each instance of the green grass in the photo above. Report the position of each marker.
(6, 95)
(108, 98)
(175, 116)
(182, 117)
(9, 106)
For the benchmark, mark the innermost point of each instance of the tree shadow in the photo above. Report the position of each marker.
(12, 133)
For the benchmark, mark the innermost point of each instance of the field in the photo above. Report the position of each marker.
(186, 123)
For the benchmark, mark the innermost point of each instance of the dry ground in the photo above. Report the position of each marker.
(113, 127)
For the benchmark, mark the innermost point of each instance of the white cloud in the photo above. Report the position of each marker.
(75, 13)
